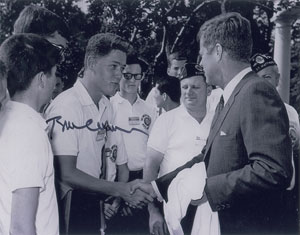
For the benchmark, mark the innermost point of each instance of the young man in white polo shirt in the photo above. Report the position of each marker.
(28, 202)
(136, 118)
(178, 135)
(80, 121)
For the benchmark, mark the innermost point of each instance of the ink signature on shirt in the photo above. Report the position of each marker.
(68, 125)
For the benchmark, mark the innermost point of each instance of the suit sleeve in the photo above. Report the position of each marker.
(264, 131)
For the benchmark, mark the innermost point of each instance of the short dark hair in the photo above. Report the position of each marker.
(133, 58)
(103, 43)
(171, 86)
(232, 32)
(24, 56)
(41, 21)
(2, 70)
(178, 55)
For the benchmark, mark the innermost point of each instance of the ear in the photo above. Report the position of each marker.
(164, 95)
(91, 63)
(41, 79)
(219, 51)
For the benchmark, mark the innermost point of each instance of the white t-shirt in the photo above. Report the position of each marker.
(26, 161)
(295, 132)
(86, 140)
(178, 136)
(136, 121)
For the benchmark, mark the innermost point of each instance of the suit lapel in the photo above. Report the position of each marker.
(215, 129)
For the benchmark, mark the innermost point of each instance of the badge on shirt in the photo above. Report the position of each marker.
(101, 135)
(132, 121)
(111, 153)
(114, 153)
(146, 119)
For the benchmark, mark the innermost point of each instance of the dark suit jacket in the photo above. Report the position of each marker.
(248, 159)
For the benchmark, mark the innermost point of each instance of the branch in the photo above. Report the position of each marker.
(163, 45)
(133, 34)
(186, 23)
(223, 6)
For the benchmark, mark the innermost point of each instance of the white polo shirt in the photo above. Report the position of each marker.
(136, 121)
(178, 136)
(75, 107)
(26, 161)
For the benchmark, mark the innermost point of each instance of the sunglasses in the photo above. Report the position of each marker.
(190, 70)
(61, 49)
(137, 76)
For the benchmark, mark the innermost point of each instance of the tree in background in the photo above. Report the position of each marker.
(156, 28)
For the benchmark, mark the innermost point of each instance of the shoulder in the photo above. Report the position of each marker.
(67, 103)
(66, 98)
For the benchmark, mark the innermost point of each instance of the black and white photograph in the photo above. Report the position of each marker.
(149, 117)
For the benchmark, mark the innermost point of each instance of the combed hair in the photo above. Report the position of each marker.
(132, 58)
(41, 21)
(171, 86)
(232, 32)
(103, 43)
(26, 55)
(178, 55)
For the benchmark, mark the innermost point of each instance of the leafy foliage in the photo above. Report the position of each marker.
(156, 28)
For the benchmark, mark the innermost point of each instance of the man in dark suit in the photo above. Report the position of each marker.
(248, 151)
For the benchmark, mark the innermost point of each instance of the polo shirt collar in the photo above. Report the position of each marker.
(120, 99)
(26, 111)
(83, 95)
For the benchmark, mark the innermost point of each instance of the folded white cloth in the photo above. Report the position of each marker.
(189, 185)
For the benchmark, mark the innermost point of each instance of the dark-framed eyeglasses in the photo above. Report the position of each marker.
(62, 50)
(190, 70)
(137, 76)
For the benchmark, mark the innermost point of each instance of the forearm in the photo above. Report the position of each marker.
(123, 173)
(150, 171)
(80, 180)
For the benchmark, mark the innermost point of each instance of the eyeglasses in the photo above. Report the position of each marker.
(61, 49)
(137, 76)
(190, 70)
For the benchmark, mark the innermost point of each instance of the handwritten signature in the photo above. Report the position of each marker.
(68, 125)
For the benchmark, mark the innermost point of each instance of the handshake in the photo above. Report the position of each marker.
(136, 193)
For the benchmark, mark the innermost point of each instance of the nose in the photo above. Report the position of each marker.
(189, 90)
(118, 74)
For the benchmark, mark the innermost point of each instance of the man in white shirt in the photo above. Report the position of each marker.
(167, 93)
(135, 117)
(176, 62)
(80, 121)
(248, 151)
(178, 135)
(28, 202)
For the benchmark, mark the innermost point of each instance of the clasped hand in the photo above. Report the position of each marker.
(138, 193)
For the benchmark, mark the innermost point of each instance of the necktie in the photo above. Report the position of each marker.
(218, 110)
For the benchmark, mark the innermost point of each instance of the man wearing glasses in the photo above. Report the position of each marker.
(136, 117)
